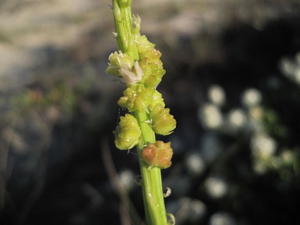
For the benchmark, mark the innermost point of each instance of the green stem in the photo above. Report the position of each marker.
(123, 23)
(151, 176)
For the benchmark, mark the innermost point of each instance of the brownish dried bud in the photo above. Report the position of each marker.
(158, 154)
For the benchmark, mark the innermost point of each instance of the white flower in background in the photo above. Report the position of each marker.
(215, 187)
(194, 163)
(197, 211)
(216, 95)
(221, 218)
(211, 116)
(291, 68)
(236, 119)
(297, 75)
(126, 179)
(263, 146)
(187, 209)
(287, 67)
(251, 97)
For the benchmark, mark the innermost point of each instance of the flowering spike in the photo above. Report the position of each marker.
(139, 66)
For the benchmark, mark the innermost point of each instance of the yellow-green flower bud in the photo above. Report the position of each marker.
(122, 65)
(153, 72)
(152, 67)
(143, 44)
(117, 61)
(127, 133)
(157, 99)
(149, 62)
(136, 98)
(162, 121)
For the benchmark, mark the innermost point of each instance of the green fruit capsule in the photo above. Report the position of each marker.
(127, 133)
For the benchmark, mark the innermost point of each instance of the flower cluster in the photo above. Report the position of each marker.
(142, 77)
(148, 69)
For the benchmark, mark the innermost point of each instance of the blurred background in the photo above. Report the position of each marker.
(233, 84)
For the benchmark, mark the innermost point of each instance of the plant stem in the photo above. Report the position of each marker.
(123, 23)
(151, 179)
(151, 176)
